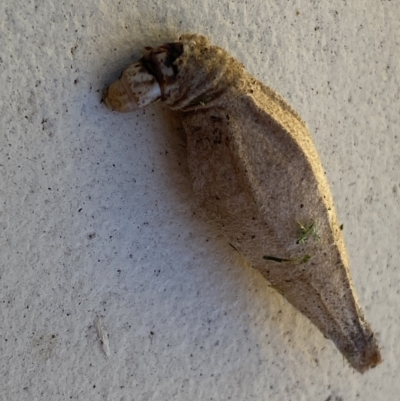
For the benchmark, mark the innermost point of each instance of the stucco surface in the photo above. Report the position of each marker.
(100, 235)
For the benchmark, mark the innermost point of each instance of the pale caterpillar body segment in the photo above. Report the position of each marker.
(258, 176)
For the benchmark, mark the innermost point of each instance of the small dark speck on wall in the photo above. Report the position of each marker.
(334, 398)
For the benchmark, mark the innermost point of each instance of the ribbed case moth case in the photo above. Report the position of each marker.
(257, 175)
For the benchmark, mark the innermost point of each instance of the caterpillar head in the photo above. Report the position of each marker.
(146, 81)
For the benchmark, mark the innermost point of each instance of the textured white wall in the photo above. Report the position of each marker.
(97, 218)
